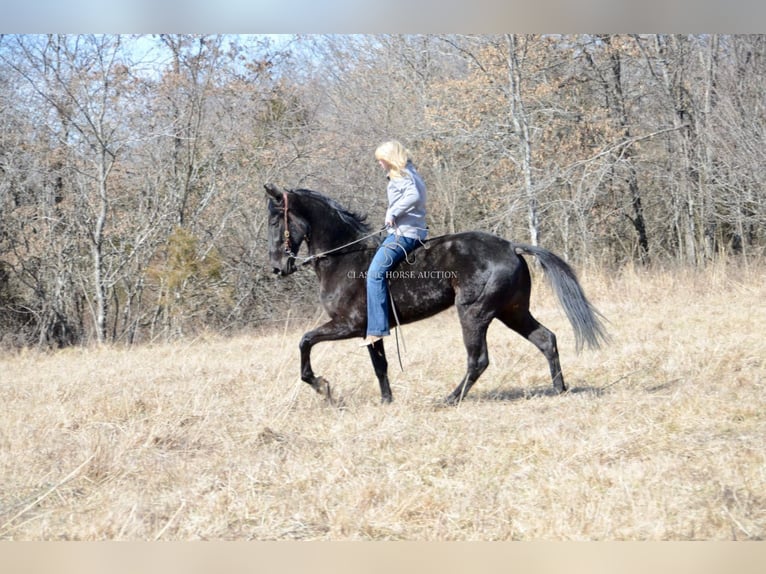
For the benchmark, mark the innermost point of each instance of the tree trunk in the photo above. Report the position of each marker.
(620, 111)
(97, 251)
(520, 124)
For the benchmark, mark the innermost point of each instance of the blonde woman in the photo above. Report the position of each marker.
(406, 226)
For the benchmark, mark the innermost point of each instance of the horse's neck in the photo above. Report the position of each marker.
(330, 242)
(323, 239)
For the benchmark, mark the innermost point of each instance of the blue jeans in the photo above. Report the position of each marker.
(393, 249)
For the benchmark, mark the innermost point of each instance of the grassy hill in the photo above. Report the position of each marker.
(660, 438)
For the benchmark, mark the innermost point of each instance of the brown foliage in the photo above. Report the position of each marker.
(610, 149)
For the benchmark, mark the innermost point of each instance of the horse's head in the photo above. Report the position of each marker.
(287, 231)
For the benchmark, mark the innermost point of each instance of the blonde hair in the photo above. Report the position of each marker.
(395, 155)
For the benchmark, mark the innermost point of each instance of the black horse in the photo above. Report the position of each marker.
(483, 275)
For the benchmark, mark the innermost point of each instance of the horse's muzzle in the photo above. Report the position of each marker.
(288, 268)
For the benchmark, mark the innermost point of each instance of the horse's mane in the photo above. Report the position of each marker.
(357, 221)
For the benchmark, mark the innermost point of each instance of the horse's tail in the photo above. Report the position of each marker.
(585, 319)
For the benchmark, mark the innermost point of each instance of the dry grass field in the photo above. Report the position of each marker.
(662, 437)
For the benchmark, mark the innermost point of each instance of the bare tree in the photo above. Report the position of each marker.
(611, 78)
(82, 80)
(520, 121)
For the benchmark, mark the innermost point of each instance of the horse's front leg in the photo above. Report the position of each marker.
(330, 331)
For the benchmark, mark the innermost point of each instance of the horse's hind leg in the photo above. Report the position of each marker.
(380, 364)
(475, 340)
(528, 327)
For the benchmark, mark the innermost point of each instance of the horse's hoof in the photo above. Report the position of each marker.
(322, 387)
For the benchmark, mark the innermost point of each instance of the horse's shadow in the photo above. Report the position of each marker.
(523, 393)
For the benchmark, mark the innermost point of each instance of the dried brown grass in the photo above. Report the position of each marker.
(661, 438)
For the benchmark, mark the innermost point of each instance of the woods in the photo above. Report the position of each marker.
(131, 167)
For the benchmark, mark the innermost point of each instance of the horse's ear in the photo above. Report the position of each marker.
(273, 191)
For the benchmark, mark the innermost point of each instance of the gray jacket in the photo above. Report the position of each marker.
(407, 204)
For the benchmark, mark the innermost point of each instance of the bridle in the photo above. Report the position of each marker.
(287, 227)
